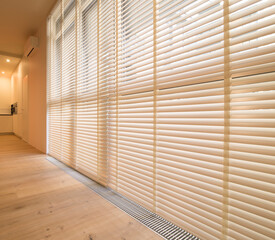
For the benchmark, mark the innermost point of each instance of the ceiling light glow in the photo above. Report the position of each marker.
(8, 60)
(3, 72)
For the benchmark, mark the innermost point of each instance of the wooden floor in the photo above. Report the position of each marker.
(40, 201)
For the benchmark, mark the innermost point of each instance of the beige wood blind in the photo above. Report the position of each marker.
(61, 84)
(185, 109)
(81, 52)
(190, 111)
(135, 108)
(87, 90)
(251, 190)
(172, 104)
(96, 66)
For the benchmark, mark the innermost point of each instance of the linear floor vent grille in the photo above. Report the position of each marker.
(164, 228)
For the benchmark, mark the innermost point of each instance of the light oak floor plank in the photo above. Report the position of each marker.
(39, 201)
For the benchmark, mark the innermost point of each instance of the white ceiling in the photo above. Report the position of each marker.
(7, 68)
(19, 19)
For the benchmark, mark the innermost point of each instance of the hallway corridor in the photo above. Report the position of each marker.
(40, 201)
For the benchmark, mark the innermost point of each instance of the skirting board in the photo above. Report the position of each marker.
(7, 133)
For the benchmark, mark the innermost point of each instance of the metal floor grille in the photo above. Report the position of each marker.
(164, 228)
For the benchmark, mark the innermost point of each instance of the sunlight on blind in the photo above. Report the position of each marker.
(172, 104)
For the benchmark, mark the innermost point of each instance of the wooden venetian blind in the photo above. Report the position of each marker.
(190, 112)
(96, 70)
(135, 101)
(87, 90)
(178, 117)
(81, 52)
(61, 91)
(171, 103)
(251, 188)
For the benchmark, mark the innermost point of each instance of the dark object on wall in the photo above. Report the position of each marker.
(14, 108)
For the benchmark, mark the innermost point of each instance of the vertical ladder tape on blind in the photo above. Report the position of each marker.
(116, 100)
(226, 117)
(61, 78)
(76, 77)
(155, 102)
(98, 90)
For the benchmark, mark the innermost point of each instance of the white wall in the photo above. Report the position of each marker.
(5, 95)
(34, 68)
(5, 102)
(37, 91)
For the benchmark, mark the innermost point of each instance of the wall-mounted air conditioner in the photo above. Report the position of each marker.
(30, 45)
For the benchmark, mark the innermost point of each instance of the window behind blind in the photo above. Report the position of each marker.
(190, 115)
(135, 102)
(170, 103)
(81, 53)
(87, 91)
(251, 158)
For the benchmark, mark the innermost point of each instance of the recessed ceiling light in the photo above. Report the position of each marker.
(8, 60)
(3, 72)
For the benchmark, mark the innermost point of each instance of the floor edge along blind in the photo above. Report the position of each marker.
(172, 104)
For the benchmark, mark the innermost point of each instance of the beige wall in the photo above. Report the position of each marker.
(37, 92)
(6, 124)
(32, 68)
